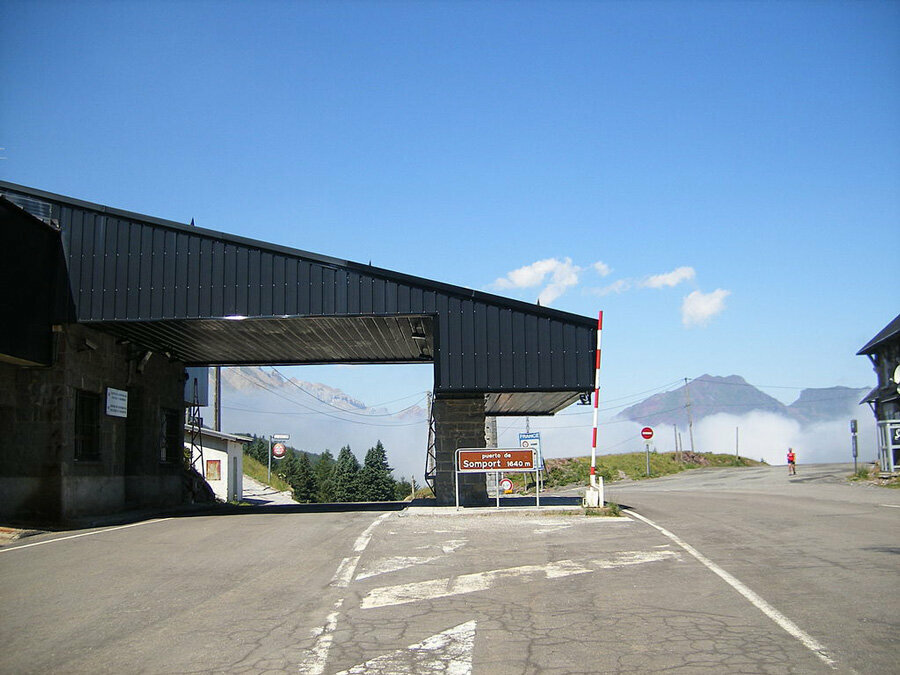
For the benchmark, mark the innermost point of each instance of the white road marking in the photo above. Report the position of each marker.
(342, 576)
(626, 558)
(84, 534)
(448, 652)
(396, 563)
(466, 583)
(792, 629)
(324, 638)
(481, 581)
(892, 506)
(453, 545)
(344, 573)
(386, 565)
(363, 540)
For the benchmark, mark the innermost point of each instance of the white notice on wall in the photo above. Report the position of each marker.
(116, 402)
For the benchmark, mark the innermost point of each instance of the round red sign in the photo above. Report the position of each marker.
(647, 433)
(278, 450)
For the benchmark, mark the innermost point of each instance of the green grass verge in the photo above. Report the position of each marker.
(633, 465)
(258, 471)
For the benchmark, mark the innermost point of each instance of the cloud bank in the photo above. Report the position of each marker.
(762, 436)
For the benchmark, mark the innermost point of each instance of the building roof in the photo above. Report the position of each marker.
(887, 334)
(209, 298)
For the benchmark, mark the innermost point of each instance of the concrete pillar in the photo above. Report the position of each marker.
(459, 423)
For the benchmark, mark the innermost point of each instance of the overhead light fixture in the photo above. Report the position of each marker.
(584, 398)
(143, 362)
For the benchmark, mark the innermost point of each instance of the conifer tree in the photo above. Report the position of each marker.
(324, 470)
(376, 482)
(286, 467)
(304, 483)
(345, 475)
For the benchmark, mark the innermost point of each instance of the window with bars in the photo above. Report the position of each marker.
(87, 426)
(171, 436)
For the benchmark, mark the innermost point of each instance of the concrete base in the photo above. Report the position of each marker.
(593, 496)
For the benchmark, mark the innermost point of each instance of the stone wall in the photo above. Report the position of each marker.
(459, 423)
(39, 476)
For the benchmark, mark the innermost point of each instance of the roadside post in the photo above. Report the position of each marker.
(647, 434)
(853, 442)
(593, 496)
(497, 461)
(276, 450)
(532, 440)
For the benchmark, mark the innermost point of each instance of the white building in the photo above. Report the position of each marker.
(223, 462)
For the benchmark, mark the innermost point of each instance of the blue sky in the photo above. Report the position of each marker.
(721, 178)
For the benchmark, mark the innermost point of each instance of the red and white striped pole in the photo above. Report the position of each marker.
(596, 402)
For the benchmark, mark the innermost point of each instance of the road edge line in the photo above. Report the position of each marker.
(83, 534)
(757, 601)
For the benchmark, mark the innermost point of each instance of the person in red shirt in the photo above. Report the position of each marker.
(792, 462)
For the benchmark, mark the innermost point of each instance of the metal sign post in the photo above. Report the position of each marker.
(853, 442)
(647, 434)
(275, 437)
(496, 461)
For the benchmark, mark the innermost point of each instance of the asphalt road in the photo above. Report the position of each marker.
(753, 573)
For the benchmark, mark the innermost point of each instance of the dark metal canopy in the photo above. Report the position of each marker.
(208, 298)
(886, 334)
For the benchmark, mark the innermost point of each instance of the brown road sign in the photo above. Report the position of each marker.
(478, 460)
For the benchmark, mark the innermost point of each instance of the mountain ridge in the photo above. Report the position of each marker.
(710, 395)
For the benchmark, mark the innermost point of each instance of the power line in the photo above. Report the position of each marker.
(294, 414)
(321, 412)
(348, 412)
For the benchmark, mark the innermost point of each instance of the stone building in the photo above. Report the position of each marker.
(104, 309)
(883, 351)
(89, 424)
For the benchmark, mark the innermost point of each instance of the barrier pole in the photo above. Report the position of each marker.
(596, 403)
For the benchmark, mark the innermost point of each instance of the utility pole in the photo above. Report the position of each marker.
(737, 433)
(217, 400)
(677, 454)
(687, 395)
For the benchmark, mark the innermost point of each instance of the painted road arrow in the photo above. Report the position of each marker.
(481, 581)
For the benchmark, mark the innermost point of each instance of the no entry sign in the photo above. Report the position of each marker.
(647, 433)
(278, 450)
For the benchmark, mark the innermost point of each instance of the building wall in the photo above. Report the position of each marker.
(230, 455)
(888, 358)
(459, 423)
(40, 477)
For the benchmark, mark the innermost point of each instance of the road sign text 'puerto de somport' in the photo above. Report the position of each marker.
(496, 459)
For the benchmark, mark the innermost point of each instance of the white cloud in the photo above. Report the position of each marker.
(619, 286)
(559, 275)
(669, 279)
(529, 275)
(602, 268)
(698, 308)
